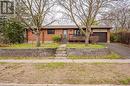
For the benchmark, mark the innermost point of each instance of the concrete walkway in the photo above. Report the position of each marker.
(56, 85)
(120, 49)
(69, 61)
(63, 45)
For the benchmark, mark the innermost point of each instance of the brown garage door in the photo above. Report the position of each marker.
(102, 36)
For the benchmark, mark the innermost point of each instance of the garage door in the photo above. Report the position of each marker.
(102, 36)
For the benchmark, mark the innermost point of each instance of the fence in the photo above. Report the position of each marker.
(122, 37)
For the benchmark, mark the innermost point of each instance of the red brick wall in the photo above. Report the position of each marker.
(32, 37)
(45, 36)
(48, 37)
(70, 31)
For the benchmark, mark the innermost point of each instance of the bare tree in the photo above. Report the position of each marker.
(83, 13)
(118, 15)
(34, 13)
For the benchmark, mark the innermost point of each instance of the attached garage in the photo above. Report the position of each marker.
(102, 33)
(102, 36)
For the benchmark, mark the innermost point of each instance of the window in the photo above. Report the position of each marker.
(52, 31)
(78, 33)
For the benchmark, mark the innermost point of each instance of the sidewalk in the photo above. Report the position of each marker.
(56, 85)
(69, 61)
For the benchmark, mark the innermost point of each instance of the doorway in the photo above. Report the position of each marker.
(65, 36)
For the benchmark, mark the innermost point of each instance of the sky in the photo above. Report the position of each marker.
(56, 14)
(59, 17)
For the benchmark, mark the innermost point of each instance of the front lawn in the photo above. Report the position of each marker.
(26, 46)
(65, 73)
(84, 46)
(111, 56)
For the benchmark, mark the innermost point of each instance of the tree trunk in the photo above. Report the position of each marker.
(87, 38)
(87, 35)
(38, 44)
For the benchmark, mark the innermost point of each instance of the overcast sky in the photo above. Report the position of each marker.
(57, 15)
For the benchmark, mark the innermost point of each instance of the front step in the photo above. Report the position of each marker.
(61, 55)
(61, 52)
(61, 49)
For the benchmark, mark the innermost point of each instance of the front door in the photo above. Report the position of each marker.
(65, 36)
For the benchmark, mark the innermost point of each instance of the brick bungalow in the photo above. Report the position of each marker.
(69, 33)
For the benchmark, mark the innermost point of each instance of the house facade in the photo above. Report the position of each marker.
(69, 33)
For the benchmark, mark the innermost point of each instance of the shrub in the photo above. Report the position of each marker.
(115, 37)
(13, 32)
(94, 39)
(56, 38)
(122, 37)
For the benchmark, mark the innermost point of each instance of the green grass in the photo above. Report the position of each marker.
(2, 63)
(26, 46)
(125, 81)
(111, 56)
(51, 65)
(84, 46)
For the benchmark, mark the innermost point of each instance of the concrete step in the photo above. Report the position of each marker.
(61, 52)
(61, 55)
(61, 49)
(63, 46)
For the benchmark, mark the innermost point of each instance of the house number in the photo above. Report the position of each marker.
(7, 7)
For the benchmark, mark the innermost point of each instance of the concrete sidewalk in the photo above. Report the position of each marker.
(69, 61)
(57, 85)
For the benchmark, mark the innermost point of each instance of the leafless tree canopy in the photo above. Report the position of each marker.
(118, 15)
(34, 13)
(83, 12)
(35, 10)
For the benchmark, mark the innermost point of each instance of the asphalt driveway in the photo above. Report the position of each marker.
(120, 49)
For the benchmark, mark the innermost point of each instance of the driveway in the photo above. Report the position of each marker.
(120, 49)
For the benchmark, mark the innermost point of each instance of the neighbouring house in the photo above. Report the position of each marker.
(69, 33)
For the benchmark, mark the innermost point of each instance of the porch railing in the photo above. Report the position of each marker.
(76, 38)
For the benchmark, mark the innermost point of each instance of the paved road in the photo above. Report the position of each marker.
(120, 49)
(69, 61)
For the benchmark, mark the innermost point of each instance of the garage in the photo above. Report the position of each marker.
(102, 36)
